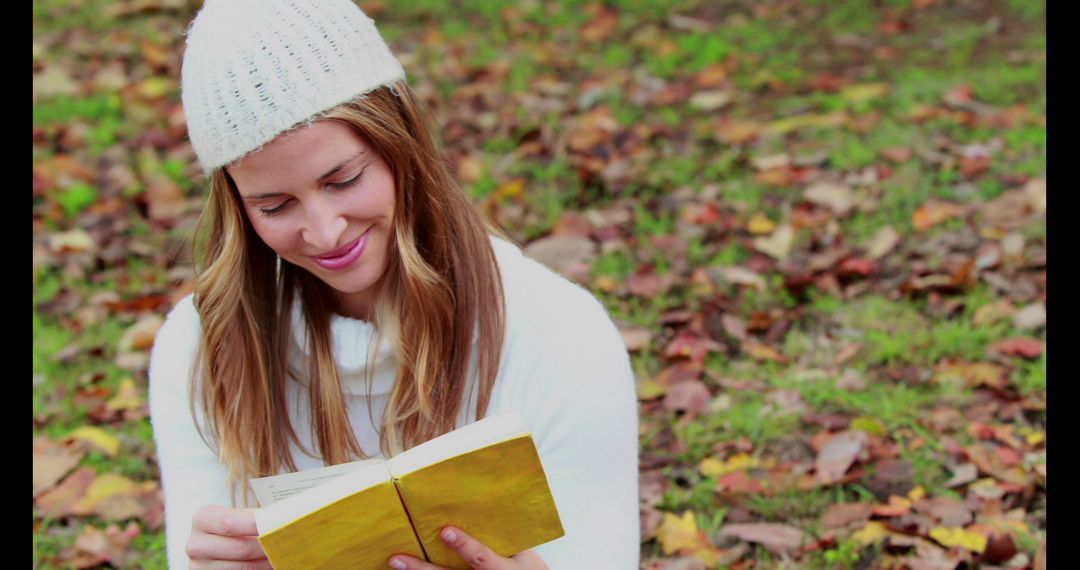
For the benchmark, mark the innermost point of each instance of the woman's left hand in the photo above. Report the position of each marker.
(477, 555)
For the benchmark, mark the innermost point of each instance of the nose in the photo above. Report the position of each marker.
(324, 226)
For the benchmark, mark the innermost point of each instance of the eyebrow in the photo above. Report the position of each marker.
(328, 174)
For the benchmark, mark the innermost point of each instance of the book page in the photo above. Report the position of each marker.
(474, 436)
(269, 490)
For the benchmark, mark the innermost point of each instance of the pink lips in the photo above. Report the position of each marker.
(351, 254)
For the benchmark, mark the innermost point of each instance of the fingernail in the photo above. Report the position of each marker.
(449, 535)
(397, 564)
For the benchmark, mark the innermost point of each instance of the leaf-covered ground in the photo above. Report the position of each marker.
(819, 224)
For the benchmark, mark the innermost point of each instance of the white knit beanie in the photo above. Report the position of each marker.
(254, 69)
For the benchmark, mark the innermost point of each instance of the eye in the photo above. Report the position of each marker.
(349, 183)
(272, 211)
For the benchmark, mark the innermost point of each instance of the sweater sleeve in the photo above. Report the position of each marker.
(581, 404)
(191, 476)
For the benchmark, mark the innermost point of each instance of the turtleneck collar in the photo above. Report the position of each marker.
(351, 339)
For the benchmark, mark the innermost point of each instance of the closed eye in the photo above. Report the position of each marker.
(339, 185)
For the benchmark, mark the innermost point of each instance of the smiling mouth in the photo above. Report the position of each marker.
(342, 252)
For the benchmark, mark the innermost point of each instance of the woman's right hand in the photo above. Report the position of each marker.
(224, 538)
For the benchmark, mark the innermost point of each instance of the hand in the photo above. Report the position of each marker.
(225, 538)
(472, 552)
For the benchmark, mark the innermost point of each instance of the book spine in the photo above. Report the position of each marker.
(409, 516)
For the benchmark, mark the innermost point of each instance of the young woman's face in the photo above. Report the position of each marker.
(323, 199)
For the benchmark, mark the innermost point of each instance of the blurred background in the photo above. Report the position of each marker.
(820, 226)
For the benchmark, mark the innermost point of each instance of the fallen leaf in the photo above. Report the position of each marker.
(128, 397)
(759, 225)
(103, 487)
(710, 466)
(839, 515)
(871, 533)
(636, 338)
(52, 461)
(97, 437)
(962, 475)
(897, 506)
(864, 92)
(991, 313)
(743, 276)
(959, 537)
(1031, 317)
(688, 395)
(563, 251)
(779, 244)
(761, 352)
(883, 241)
(95, 547)
(836, 197)
(1024, 347)
(601, 26)
(935, 212)
(838, 455)
(777, 538)
(677, 534)
(711, 100)
(57, 502)
(947, 512)
(140, 336)
(76, 240)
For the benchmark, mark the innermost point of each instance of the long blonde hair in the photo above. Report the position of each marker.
(441, 284)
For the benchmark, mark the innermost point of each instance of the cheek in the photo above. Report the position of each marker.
(275, 236)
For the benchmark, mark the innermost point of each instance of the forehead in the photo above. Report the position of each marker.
(298, 157)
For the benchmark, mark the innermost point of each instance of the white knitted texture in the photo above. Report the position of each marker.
(254, 69)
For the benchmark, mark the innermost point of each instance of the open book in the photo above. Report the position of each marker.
(485, 478)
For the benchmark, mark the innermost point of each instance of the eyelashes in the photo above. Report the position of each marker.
(269, 212)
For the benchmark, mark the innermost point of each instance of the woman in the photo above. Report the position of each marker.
(350, 302)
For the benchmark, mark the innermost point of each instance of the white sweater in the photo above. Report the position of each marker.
(564, 366)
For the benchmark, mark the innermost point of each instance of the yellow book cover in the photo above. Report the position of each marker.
(485, 478)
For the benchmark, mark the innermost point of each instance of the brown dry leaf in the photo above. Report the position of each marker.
(165, 198)
(962, 475)
(1007, 212)
(935, 212)
(128, 397)
(688, 395)
(76, 240)
(650, 519)
(947, 512)
(779, 244)
(839, 454)
(839, 515)
(95, 547)
(647, 285)
(1032, 317)
(711, 100)
(736, 132)
(140, 336)
(1035, 190)
(761, 352)
(993, 312)
(742, 276)
(52, 461)
(636, 338)
(601, 26)
(470, 168)
(733, 326)
(58, 501)
(562, 252)
(973, 374)
(837, 197)
(883, 241)
(777, 538)
(1023, 347)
